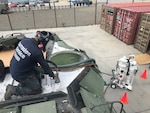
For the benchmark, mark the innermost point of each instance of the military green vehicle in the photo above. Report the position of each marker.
(81, 89)
(10, 41)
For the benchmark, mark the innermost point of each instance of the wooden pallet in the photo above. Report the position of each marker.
(143, 58)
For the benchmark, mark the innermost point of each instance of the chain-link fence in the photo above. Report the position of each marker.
(3, 1)
(52, 15)
(57, 16)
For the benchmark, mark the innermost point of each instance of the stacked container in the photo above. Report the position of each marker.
(109, 11)
(142, 41)
(126, 23)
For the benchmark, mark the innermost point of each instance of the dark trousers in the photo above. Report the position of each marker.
(31, 85)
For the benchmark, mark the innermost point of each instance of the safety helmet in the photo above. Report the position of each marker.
(42, 36)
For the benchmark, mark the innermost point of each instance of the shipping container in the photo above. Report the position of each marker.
(108, 14)
(126, 23)
(142, 41)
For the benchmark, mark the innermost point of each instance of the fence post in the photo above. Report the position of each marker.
(70, 3)
(55, 14)
(106, 1)
(49, 5)
(29, 8)
(9, 21)
(95, 11)
(74, 15)
(33, 18)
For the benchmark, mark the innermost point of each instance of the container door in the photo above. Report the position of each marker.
(118, 23)
(129, 27)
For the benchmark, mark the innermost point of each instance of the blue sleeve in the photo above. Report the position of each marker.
(43, 63)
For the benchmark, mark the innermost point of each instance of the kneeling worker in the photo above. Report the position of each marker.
(23, 66)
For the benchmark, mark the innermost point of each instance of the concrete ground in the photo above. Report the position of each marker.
(106, 49)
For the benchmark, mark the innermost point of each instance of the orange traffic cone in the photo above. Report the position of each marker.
(124, 99)
(144, 76)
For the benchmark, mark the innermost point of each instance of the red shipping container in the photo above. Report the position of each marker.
(118, 5)
(109, 10)
(126, 23)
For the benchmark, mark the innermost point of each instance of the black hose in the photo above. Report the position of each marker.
(52, 63)
(128, 67)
